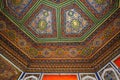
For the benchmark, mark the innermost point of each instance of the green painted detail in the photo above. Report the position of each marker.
(46, 13)
(33, 52)
(85, 9)
(86, 51)
(100, 23)
(42, 24)
(49, 3)
(100, 1)
(11, 34)
(66, 3)
(1, 4)
(58, 20)
(58, 15)
(20, 26)
(119, 3)
(58, 5)
(29, 13)
(17, 2)
(75, 24)
(70, 13)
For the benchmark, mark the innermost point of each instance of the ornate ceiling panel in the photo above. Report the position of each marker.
(43, 22)
(18, 8)
(99, 7)
(73, 36)
(75, 23)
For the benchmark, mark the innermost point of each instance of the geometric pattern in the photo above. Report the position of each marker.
(87, 76)
(57, 50)
(64, 37)
(42, 22)
(7, 70)
(18, 8)
(109, 73)
(74, 22)
(2, 25)
(32, 76)
(57, 1)
(99, 7)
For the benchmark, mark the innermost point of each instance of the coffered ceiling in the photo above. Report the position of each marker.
(60, 35)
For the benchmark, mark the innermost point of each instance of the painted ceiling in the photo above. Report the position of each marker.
(60, 35)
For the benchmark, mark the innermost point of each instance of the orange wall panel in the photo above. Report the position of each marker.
(117, 62)
(59, 77)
